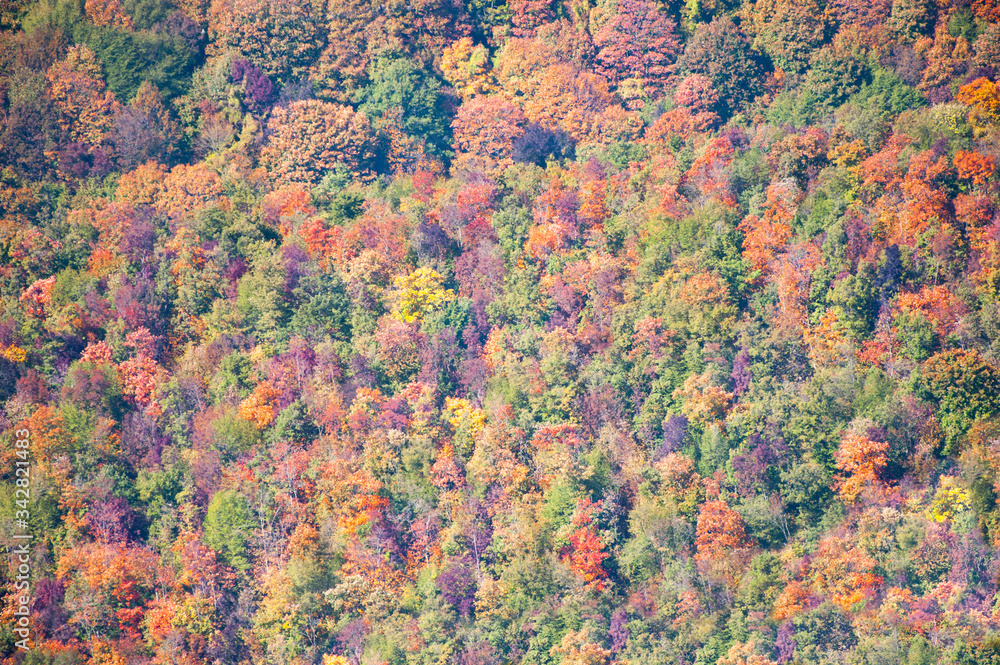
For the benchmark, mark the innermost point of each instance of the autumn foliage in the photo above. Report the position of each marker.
(526, 332)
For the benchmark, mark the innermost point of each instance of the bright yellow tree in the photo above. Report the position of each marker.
(421, 292)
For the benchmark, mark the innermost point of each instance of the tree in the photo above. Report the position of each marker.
(576, 648)
(638, 42)
(421, 292)
(466, 67)
(703, 402)
(528, 15)
(722, 53)
(945, 59)
(401, 83)
(983, 96)
(486, 130)
(585, 552)
(965, 386)
(721, 533)
(144, 129)
(787, 30)
(186, 190)
(309, 138)
(862, 461)
(974, 167)
(108, 13)
(569, 100)
(282, 37)
(77, 89)
(227, 523)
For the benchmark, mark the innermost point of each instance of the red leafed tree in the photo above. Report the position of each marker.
(472, 212)
(585, 554)
(310, 137)
(485, 131)
(139, 374)
(697, 93)
(639, 42)
(324, 243)
(37, 298)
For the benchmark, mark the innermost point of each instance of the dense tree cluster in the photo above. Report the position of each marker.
(536, 332)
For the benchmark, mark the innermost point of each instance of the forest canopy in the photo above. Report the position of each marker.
(532, 332)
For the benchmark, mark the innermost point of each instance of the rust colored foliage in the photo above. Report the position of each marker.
(528, 15)
(720, 530)
(486, 130)
(187, 189)
(287, 208)
(844, 573)
(861, 461)
(709, 172)
(764, 237)
(76, 88)
(282, 37)
(310, 137)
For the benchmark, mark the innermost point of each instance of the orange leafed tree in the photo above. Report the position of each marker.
(143, 185)
(569, 99)
(720, 530)
(861, 461)
(983, 96)
(108, 13)
(288, 207)
(466, 67)
(586, 551)
(187, 189)
(258, 408)
(486, 129)
(721, 538)
(703, 402)
(974, 167)
(310, 137)
(844, 573)
(76, 87)
(764, 237)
